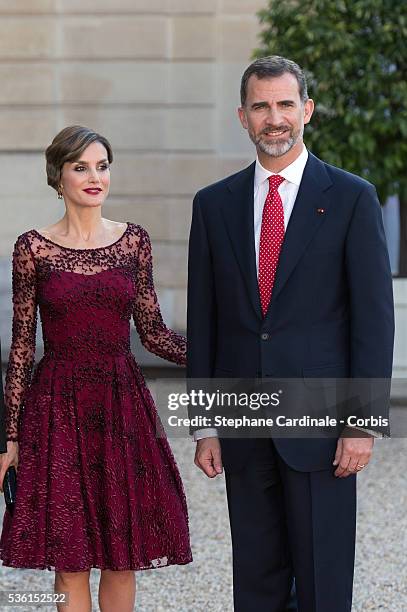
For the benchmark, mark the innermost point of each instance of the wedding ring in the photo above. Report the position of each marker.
(360, 466)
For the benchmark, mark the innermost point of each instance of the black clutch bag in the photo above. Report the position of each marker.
(9, 488)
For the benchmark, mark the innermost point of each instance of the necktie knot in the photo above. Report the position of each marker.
(275, 181)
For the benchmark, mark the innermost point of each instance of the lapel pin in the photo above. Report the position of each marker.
(320, 211)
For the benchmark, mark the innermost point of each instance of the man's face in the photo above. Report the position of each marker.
(274, 115)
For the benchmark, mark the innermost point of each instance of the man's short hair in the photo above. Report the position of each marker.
(270, 67)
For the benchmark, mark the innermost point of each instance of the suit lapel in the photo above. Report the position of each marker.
(237, 212)
(238, 215)
(309, 212)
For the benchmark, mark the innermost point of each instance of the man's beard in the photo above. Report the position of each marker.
(277, 147)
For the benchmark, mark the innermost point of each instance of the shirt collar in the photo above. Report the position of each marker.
(292, 173)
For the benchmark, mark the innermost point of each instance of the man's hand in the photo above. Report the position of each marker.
(208, 456)
(352, 452)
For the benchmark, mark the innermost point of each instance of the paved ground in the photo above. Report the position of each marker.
(205, 585)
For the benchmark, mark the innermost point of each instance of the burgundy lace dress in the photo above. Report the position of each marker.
(96, 486)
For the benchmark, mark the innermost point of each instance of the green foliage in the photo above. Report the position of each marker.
(354, 53)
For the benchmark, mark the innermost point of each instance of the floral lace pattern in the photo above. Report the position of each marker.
(37, 262)
(96, 487)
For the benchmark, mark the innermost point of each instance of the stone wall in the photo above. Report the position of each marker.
(159, 78)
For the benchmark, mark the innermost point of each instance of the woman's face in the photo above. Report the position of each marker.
(86, 182)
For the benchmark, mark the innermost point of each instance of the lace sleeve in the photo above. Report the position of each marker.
(23, 338)
(154, 335)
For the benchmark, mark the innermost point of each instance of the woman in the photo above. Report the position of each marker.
(96, 487)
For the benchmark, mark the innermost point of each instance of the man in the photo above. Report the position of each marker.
(288, 277)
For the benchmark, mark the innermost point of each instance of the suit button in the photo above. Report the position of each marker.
(265, 336)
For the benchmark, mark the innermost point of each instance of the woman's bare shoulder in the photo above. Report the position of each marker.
(116, 227)
(48, 232)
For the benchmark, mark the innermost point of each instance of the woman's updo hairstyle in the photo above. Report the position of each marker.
(67, 146)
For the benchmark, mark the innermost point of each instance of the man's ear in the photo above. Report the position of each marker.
(242, 116)
(308, 110)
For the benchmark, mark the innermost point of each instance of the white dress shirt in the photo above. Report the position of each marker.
(288, 191)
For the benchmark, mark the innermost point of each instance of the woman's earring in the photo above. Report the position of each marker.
(60, 196)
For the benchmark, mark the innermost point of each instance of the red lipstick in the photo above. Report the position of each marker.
(93, 190)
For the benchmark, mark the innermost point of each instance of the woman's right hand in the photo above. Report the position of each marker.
(7, 459)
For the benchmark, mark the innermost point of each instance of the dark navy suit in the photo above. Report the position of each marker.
(331, 315)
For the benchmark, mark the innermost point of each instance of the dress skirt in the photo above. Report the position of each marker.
(97, 485)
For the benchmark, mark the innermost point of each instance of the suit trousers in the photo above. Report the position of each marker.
(287, 523)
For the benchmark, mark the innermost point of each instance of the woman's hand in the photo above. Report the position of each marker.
(7, 459)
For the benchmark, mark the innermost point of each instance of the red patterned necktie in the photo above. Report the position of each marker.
(271, 240)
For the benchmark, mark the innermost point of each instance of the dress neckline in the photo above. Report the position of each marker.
(101, 248)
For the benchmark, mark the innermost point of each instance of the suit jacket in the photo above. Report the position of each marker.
(3, 445)
(331, 313)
